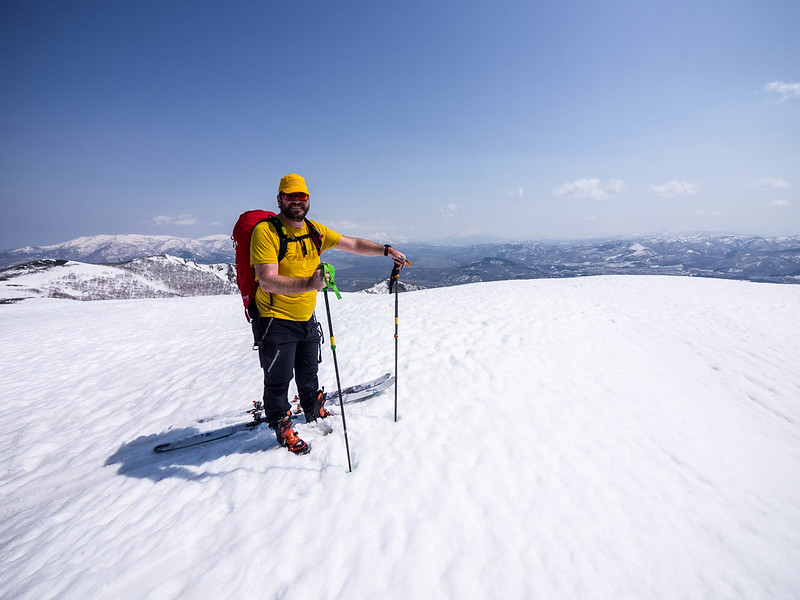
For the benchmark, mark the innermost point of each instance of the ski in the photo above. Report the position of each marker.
(354, 393)
(362, 391)
(208, 436)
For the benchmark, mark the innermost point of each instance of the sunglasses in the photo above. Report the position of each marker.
(296, 196)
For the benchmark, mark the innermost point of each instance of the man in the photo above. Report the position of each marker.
(285, 301)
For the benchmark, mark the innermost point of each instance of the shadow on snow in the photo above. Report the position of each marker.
(138, 459)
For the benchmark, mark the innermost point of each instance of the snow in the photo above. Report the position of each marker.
(609, 437)
(638, 250)
(75, 280)
(126, 247)
(149, 277)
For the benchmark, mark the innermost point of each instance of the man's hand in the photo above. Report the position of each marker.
(317, 280)
(273, 283)
(398, 257)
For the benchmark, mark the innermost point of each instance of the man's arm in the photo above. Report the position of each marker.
(271, 282)
(364, 247)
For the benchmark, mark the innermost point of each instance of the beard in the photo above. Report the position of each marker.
(294, 211)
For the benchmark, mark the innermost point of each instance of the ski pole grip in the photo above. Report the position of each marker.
(395, 275)
(329, 274)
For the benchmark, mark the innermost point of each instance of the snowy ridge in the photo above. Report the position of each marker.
(150, 277)
(382, 287)
(612, 438)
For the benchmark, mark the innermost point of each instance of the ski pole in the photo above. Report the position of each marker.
(394, 281)
(328, 273)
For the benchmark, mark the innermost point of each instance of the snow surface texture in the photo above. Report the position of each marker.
(610, 437)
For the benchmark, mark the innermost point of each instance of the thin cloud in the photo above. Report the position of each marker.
(179, 220)
(449, 211)
(786, 91)
(675, 189)
(473, 230)
(771, 183)
(780, 204)
(344, 225)
(615, 185)
(361, 228)
(590, 188)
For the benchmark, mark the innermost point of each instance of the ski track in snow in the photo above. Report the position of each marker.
(608, 437)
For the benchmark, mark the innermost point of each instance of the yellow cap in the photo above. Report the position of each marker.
(292, 183)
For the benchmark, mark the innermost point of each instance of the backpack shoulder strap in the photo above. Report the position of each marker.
(277, 225)
(315, 235)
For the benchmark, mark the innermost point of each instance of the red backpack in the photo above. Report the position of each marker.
(245, 273)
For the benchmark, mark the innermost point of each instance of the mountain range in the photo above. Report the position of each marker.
(126, 266)
(110, 249)
(773, 260)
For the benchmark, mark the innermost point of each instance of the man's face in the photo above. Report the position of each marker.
(294, 206)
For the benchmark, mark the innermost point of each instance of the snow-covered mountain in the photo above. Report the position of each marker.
(151, 277)
(386, 238)
(599, 438)
(773, 260)
(382, 287)
(100, 249)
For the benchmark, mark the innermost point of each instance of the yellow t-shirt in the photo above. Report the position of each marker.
(264, 246)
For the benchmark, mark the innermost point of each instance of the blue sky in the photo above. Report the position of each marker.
(421, 119)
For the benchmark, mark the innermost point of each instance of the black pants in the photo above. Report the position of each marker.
(288, 348)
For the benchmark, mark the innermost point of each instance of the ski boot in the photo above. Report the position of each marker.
(288, 438)
(317, 410)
